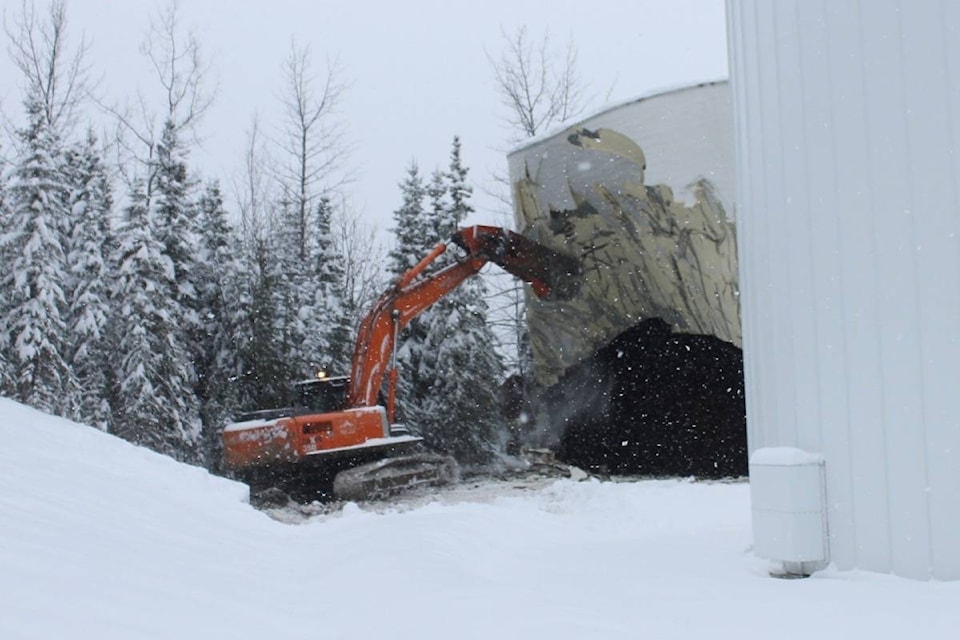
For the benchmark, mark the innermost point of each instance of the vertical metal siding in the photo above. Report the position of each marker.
(847, 135)
(856, 444)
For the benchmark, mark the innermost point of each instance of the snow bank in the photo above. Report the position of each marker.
(101, 539)
(784, 457)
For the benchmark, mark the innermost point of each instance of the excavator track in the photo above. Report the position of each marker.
(349, 479)
(389, 476)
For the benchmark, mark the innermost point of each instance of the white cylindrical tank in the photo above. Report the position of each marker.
(642, 194)
(847, 125)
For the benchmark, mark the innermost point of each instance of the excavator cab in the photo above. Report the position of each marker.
(323, 394)
(329, 394)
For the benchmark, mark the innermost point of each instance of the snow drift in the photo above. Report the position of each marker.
(99, 538)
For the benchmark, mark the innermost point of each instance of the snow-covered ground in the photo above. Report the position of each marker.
(100, 539)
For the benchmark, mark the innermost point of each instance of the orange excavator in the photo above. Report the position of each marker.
(342, 438)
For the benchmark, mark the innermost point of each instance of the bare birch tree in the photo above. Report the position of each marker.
(539, 87)
(312, 142)
(186, 87)
(363, 258)
(55, 76)
(253, 187)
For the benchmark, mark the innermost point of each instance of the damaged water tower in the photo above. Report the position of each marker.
(640, 373)
(847, 133)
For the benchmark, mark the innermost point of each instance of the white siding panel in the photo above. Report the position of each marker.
(744, 96)
(847, 116)
(895, 224)
(864, 463)
(826, 267)
(943, 432)
(781, 317)
(932, 180)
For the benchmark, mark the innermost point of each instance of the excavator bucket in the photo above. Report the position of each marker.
(553, 275)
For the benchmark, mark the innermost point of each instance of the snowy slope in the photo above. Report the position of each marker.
(100, 539)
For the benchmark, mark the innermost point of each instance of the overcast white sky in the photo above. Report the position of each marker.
(417, 70)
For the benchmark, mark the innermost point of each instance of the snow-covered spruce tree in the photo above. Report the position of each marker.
(335, 347)
(218, 273)
(174, 218)
(291, 288)
(457, 186)
(6, 266)
(229, 362)
(88, 290)
(460, 411)
(33, 309)
(262, 327)
(153, 403)
(32, 243)
(413, 240)
(409, 232)
(450, 371)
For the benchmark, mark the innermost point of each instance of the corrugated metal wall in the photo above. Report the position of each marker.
(848, 158)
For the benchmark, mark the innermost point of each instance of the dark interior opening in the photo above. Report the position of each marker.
(652, 402)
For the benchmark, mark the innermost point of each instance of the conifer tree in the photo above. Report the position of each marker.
(414, 357)
(413, 241)
(89, 202)
(292, 287)
(450, 370)
(173, 222)
(34, 305)
(266, 370)
(152, 402)
(5, 214)
(441, 226)
(329, 296)
(460, 411)
(230, 365)
(6, 266)
(218, 275)
(459, 190)
(175, 219)
(409, 230)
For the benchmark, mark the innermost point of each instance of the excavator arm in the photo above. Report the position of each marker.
(552, 276)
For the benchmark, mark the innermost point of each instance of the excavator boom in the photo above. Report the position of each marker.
(552, 276)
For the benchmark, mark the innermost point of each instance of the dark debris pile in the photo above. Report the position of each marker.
(653, 402)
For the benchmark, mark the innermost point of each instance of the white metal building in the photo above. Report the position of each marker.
(847, 125)
(596, 171)
(686, 133)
